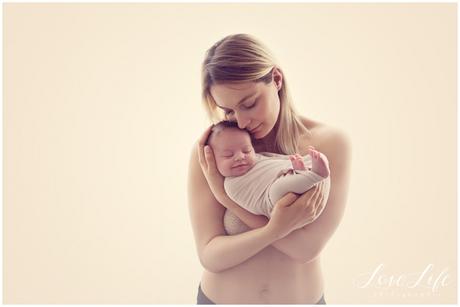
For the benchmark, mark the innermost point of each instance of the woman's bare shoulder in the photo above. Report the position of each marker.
(327, 138)
(309, 123)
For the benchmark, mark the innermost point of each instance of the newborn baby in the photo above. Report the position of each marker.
(256, 181)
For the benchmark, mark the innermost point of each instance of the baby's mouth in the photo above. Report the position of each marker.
(239, 165)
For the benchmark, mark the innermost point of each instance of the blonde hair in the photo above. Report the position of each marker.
(242, 58)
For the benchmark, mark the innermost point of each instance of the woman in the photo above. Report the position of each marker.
(249, 259)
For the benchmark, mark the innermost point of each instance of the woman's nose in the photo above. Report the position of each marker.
(242, 121)
(242, 125)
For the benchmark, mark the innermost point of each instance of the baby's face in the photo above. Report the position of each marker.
(233, 152)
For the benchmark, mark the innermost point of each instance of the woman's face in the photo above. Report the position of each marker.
(253, 105)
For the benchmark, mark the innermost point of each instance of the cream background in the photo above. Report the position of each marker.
(102, 106)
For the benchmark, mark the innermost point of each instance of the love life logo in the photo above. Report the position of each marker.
(427, 281)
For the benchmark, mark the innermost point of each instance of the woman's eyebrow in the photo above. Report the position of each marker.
(241, 101)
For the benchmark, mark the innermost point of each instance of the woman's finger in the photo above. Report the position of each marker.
(320, 208)
(322, 189)
(322, 204)
(316, 195)
(201, 157)
(209, 157)
(287, 199)
(304, 199)
(310, 202)
(204, 136)
(201, 143)
(315, 211)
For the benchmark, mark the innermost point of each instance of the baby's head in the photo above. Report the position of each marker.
(232, 149)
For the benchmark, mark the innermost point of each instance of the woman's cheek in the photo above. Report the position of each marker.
(255, 112)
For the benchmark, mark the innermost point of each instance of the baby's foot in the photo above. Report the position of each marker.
(297, 162)
(319, 163)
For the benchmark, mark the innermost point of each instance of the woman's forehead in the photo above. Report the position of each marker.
(230, 94)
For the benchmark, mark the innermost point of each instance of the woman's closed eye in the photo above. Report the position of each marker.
(246, 107)
(251, 105)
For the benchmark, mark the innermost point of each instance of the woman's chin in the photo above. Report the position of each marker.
(259, 135)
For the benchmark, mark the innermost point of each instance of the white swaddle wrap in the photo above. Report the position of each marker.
(263, 185)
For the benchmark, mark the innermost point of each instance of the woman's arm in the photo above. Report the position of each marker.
(217, 251)
(285, 244)
(302, 244)
(225, 252)
(306, 243)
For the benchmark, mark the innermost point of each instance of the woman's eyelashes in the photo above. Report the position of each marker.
(245, 107)
(251, 105)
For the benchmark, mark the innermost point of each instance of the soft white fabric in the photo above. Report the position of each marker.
(264, 184)
(232, 224)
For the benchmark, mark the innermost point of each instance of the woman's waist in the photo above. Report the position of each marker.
(266, 279)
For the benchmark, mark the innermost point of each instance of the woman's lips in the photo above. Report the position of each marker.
(255, 129)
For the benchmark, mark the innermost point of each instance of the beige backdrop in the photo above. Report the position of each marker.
(102, 106)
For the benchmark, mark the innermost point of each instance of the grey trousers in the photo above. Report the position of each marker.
(202, 299)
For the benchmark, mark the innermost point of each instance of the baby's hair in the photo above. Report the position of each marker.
(221, 126)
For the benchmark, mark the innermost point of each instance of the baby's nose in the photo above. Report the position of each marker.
(239, 156)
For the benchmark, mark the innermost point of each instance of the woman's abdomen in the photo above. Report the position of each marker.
(269, 277)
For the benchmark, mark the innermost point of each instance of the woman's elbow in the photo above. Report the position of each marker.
(210, 268)
(210, 265)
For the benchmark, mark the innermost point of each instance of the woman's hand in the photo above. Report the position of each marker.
(208, 166)
(292, 212)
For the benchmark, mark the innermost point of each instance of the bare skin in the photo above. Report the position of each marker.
(287, 281)
(319, 164)
(271, 276)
